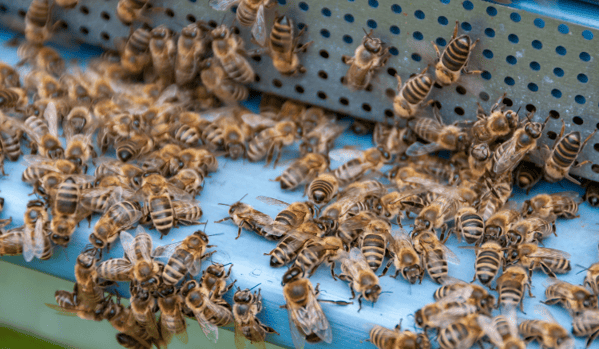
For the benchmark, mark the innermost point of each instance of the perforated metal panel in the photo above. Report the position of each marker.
(542, 63)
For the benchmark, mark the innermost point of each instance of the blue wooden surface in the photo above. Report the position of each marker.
(235, 179)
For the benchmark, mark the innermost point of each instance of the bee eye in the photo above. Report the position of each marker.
(406, 270)
(427, 224)
(514, 254)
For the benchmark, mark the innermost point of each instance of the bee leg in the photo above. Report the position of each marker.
(592, 338)
(304, 47)
(436, 50)
(206, 255)
(279, 153)
(333, 271)
(347, 59)
(455, 30)
(474, 278)
(360, 303)
(269, 329)
(443, 230)
(398, 83)
(547, 270)
(238, 232)
(387, 268)
(552, 301)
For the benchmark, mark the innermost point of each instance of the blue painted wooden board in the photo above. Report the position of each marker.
(235, 179)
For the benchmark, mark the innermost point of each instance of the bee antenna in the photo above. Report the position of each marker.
(517, 111)
(216, 234)
(583, 268)
(386, 292)
(223, 20)
(255, 286)
(242, 197)
(224, 204)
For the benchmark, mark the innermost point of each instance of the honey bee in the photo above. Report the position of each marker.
(245, 310)
(548, 206)
(368, 57)
(394, 204)
(355, 270)
(576, 299)
(591, 194)
(160, 160)
(67, 210)
(118, 217)
(502, 330)
(291, 217)
(40, 166)
(163, 51)
(495, 196)
(135, 55)
(302, 171)
(198, 159)
(469, 225)
(373, 242)
(586, 325)
(489, 258)
(357, 163)
(450, 308)
(216, 81)
(452, 62)
(320, 138)
(411, 95)
(440, 136)
(13, 98)
(549, 260)
(499, 223)
(316, 251)
(135, 146)
(129, 173)
(322, 189)
(463, 333)
(249, 13)
(307, 321)
(10, 137)
(80, 150)
(121, 319)
(245, 216)
(547, 332)
(189, 180)
(44, 136)
(67, 4)
(214, 281)
(531, 229)
(509, 154)
(189, 128)
(283, 46)
(561, 158)
(435, 254)
(292, 243)
(139, 265)
(43, 84)
(511, 286)
(142, 310)
(479, 296)
(36, 232)
(392, 139)
(479, 160)
(9, 77)
(497, 124)
(527, 174)
(384, 338)
(192, 45)
(40, 57)
(271, 140)
(405, 258)
(228, 131)
(187, 257)
(38, 28)
(229, 53)
(171, 320)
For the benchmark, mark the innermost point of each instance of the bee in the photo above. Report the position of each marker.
(142, 310)
(497, 124)
(322, 189)
(479, 160)
(283, 46)
(586, 324)
(80, 150)
(394, 204)
(41, 57)
(439, 136)
(495, 196)
(67, 210)
(214, 281)
(502, 330)
(547, 332)
(499, 223)
(163, 51)
(188, 129)
(509, 154)
(38, 28)
(357, 163)
(370, 56)
(291, 217)
(192, 45)
(25, 241)
(10, 137)
(441, 313)
(479, 296)
(160, 160)
(198, 159)
(170, 303)
(384, 338)
(45, 136)
(216, 81)
(13, 98)
(118, 217)
(245, 310)
(511, 286)
(139, 265)
(245, 216)
(350, 229)
(135, 146)
(271, 140)
(307, 321)
(129, 173)
(373, 242)
(527, 174)
(320, 138)
(121, 319)
(36, 231)
(187, 257)
(40, 166)
(129, 11)
(229, 132)
(361, 278)
(561, 158)
(469, 225)
(316, 251)
(229, 53)
(489, 258)
(591, 194)
(405, 258)
(9, 77)
(411, 95)
(43, 84)
(249, 13)
(549, 206)
(463, 333)
(435, 255)
(452, 62)
(531, 229)
(189, 180)
(302, 171)
(576, 299)
(135, 55)
(128, 341)
(292, 243)
(549, 260)
(392, 139)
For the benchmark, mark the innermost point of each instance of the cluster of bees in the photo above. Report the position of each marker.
(167, 105)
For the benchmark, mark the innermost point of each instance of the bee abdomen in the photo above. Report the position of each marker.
(246, 15)
(416, 90)
(38, 12)
(567, 150)
(437, 268)
(67, 197)
(140, 40)
(473, 227)
(187, 134)
(176, 267)
(453, 335)
(373, 248)
(487, 266)
(510, 295)
(455, 55)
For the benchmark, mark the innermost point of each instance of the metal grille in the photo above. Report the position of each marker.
(543, 64)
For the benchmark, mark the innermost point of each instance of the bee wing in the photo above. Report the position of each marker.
(28, 252)
(63, 311)
(450, 256)
(512, 321)
(549, 252)
(488, 327)
(418, 149)
(209, 329)
(93, 193)
(344, 155)
(271, 201)
(257, 120)
(590, 317)
(35, 159)
(262, 218)
(259, 27)
(222, 5)
(319, 321)
(178, 194)
(127, 242)
(569, 194)
(165, 250)
(195, 266)
(239, 337)
(299, 339)
(38, 238)
(507, 159)
(51, 116)
(544, 313)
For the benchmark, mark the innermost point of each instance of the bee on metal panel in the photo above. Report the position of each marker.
(531, 256)
(561, 158)
(394, 204)
(129, 11)
(452, 62)
(230, 53)
(135, 146)
(527, 174)
(463, 333)
(129, 173)
(189, 180)
(79, 149)
(479, 296)
(576, 299)
(135, 53)
(439, 136)
(302, 171)
(404, 258)
(271, 140)
(192, 46)
(318, 251)
(10, 137)
(245, 310)
(216, 81)
(38, 26)
(547, 332)
(245, 216)
(77, 91)
(9, 76)
(502, 330)
(44, 85)
(368, 57)
(411, 95)
(13, 98)
(198, 159)
(171, 320)
(121, 319)
(163, 50)
(356, 271)
(214, 280)
(530, 229)
(39, 166)
(249, 13)
(497, 124)
(293, 242)
(323, 189)
(357, 163)
(434, 254)
(319, 131)
(384, 338)
(511, 286)
(187, 257)
(188, 127)
(489, 259)
(586, 325)
(494, 196)
(209, 312)
(499, 223)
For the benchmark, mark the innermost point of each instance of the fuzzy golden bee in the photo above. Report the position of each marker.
(368, 57)
(411, 95)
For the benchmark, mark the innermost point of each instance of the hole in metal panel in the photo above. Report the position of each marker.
(323, 54)
(371, 23)
(533, 87)
(554, 114)
(587, 34)
(105, 16)
(394, 30)
(514, 16)
(491, 11)
(390, 93)
(595, 168)
(582, 78)
(580, 99)
(460, 89)
(459, 110)
(508, 102)
(321, 95)
(3, 8)
(535, 66)
(344, 101)
(513, 38)
(347, 39)
(441, 42)
(556, 93)
(511, 59)
(490, 32)
(596, 146)
(536, 44)
(531, 108)
(349, 18)
(257, 58)
(191, 18)
(299, 89)
(466, 26)
(488, 53)
(325, 33)
(418, 35)
(105, 36)
(484, 96)
(303, 6)
(562, 28)
(416, 57)
(257, 78)
(169, 12)
(388, 113)
(539, 23)
(366, 107)
(322, 74)
(419, 14)
(373, 3)
(212, 23)
(509, 80)
(486, 75)
(326, 12)
(560, 50)
(84, 10)
(551, 135)
(435, 85)
(277, 83)
(437, 104)
(559, 72)
(577, 120)
(391, 71)
(368, 88)
(396, 8)
(22, 13)
(84, 30)
(442, 20)
(393, 50)
(468, 5)
(584, 56)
